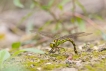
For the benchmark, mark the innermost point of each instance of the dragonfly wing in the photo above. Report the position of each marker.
(75, 35)
(84, 34)
(42, 33)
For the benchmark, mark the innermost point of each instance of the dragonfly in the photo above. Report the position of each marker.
(58, 41)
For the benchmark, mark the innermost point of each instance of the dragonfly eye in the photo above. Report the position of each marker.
(52, 45)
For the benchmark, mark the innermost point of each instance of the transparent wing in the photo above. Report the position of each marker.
(43, 33)
(74, 35)
(49, 35)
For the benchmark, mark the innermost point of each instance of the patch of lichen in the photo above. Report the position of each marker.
(44, 61)
(50, 61)
(53, 66)
(75, 57)
(95, 61)
(45, 66)
(58, 60)
(102, 53)
(97, 66)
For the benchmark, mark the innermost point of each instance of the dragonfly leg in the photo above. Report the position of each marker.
(62, 49)
(52, 50)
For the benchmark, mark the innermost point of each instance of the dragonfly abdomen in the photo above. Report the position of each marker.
(70, 40)
(65, 40)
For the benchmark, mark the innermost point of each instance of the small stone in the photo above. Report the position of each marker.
(95, 48)
(78, 63)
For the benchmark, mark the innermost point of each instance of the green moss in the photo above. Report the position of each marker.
(103, 52)
(97, 66)
(49, 67)
(95, 54)
(50, 61)
(61, 57)
(53, 66)
(90, 68)
(83, 54)
(76, 56)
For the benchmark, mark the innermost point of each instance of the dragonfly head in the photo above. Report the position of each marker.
(52, 44)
